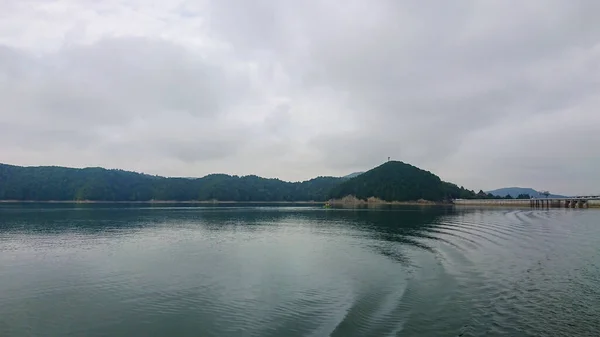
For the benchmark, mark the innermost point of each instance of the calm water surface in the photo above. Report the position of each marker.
(105, 270)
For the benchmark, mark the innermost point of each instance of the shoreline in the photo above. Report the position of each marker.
(344, 202)
(351, 200)
(155, 202)
(514, 203)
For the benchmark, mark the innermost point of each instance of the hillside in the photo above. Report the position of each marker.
(516, 191)
(392, 181)
(352, 175)
(47, 183)
(398, 181)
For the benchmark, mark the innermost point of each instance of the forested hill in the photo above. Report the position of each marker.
(398, 181)
(97, 184)
(392, 181)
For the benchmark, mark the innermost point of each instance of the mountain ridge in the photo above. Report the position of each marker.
(390, 181)
(56, 183)
(516, 191)
(353, 174)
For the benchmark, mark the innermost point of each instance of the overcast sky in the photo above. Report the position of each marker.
(485, 94)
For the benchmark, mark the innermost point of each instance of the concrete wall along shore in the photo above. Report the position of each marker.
(493, 202)
(553, 203)
(594, 203)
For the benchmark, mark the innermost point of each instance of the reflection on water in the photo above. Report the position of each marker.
(123, 270)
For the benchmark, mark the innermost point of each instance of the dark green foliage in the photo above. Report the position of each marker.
(398, 181)
(481, 195)
(98, 184)
(392, 181)
(523, 196)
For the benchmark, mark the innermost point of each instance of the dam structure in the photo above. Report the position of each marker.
(583, 201)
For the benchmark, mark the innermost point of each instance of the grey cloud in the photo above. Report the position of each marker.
(419, 88)
(193, 151)
(75, 95)
(474, 91)
(113, 81)
(153, 75)
(39, 139)
(279, 120)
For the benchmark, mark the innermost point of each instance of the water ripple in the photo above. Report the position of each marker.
(299, 272)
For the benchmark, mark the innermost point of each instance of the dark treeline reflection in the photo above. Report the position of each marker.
(390, 223)
(399, 226)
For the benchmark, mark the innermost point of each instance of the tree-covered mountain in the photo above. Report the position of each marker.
(398, 181)
(46, 183)
(392, 181)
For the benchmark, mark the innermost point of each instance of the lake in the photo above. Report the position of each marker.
(131, 270)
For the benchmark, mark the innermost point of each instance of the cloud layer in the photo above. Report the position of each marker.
(483, 93)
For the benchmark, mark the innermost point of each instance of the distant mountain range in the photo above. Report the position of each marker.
(352, 175)
(515, 191)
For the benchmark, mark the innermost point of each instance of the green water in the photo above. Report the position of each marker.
(102, 270)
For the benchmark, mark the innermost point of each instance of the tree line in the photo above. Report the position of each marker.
(392, 181)
(482, 195)
(98, 184)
